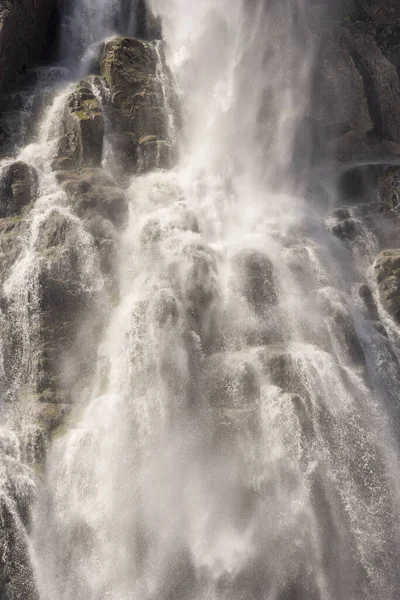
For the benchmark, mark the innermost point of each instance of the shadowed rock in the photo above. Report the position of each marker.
(387, 273)
(255, 279)
(18, 187)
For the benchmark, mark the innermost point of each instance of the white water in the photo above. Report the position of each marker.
(164, 489)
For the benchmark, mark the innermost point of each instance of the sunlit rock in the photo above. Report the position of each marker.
(135, 105)
(81, 130)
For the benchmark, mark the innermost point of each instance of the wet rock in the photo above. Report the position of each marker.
(367, 298)
(381, 83)
(389, 191)
(153, 154)
(19, 187)
(387, 273)
(124, 157)
(230, 381)
(177, 217)
(107, 243)
(50, 416)
(303, 411)
(344, 330)
(134, 105)
(338, 92)
(5, 141)
(12, 231)
(66, 296)
(196, 276)
(17, 493)
(92, 193)
(148, 25)
(129, 69)
(26, 30)
(284, 369)
(232, 388)
(380, 11)
(341, 326)
(380, 328)
(344, 226)
(82, 130)
(165, 307)
(255, 279)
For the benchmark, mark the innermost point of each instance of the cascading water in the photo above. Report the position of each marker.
(238, 436)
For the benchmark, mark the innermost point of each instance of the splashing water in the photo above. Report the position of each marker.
(238, 440)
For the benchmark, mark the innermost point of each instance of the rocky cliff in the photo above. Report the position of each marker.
(59, 259)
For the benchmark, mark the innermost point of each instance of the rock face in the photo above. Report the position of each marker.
(18, 188)
(356, 89)
(385, 12)
(26, 32)
(338, 94)
(387, 272)
(132, 105)
(82, 130)
(136, 112)
(128, 67)
(103, 207)
(381, 83)
(256, 279)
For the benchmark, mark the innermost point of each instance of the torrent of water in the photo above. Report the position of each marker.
(238, 437)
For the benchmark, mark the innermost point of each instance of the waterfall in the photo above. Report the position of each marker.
(231, 427)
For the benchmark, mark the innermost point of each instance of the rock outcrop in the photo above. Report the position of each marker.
(82, 130)
(355, 108)
(26, 34)
(137, 114)
(387, 272)
(19, 187)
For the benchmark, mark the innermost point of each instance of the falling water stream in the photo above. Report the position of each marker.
(238, 440)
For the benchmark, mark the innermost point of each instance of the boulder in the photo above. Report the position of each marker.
(92, 192)
(232, 388)
(254, 277)
(194, 273)
(344, 226)
(387, 273)
(370, 308)
(230, 382)
(81, 130)
(284, 369)
(19, 187)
